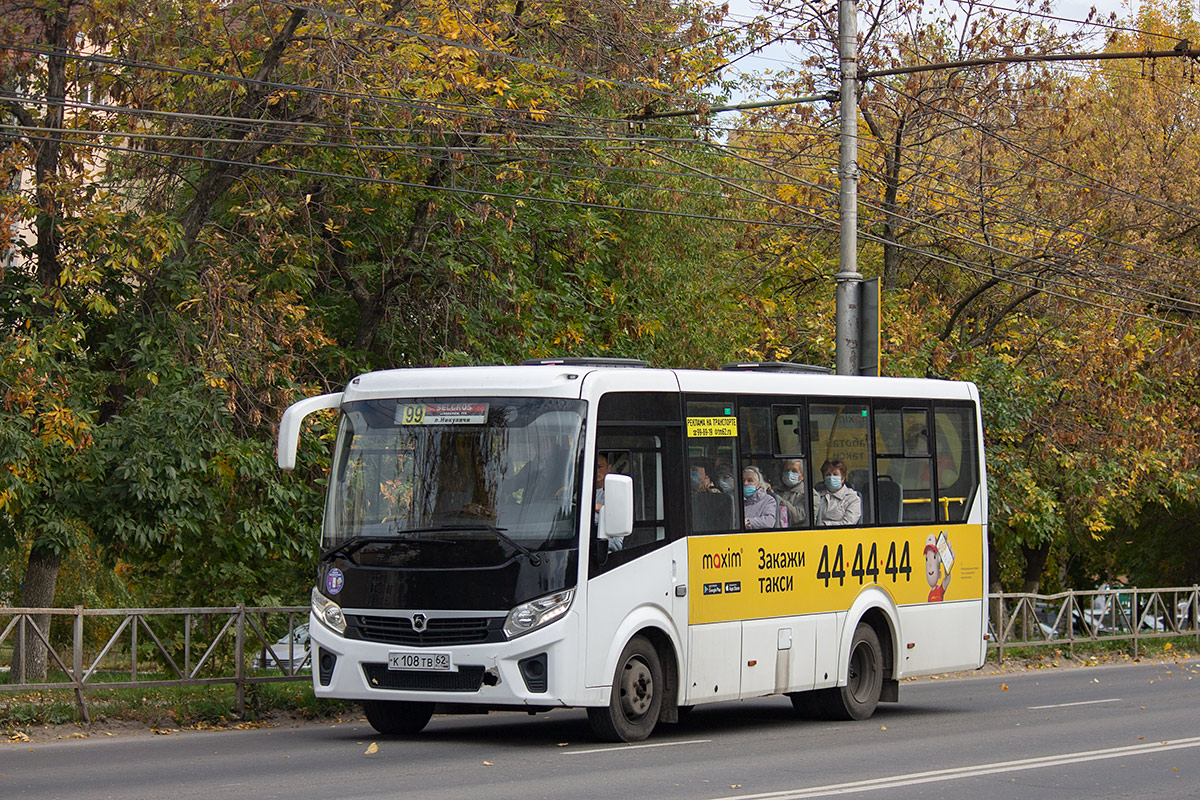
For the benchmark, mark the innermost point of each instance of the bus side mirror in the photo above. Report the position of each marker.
(289, 426)
(616, 515)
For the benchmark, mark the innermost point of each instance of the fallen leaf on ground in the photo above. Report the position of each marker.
(372, 749)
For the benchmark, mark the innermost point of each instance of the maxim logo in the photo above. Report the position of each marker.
(726, 560)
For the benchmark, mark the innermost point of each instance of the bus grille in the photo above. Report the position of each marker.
(438, 632)
(467, 679)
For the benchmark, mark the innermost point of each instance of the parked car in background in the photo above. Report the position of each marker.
(291, 649)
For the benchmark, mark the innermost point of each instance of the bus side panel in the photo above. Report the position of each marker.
(778, 655)
(714, 659)
(829, 647)
(945, 637)
(622, 601)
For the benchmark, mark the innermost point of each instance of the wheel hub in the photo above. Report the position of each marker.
(637, 688)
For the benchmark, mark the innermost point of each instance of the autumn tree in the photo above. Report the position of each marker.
(251, 200)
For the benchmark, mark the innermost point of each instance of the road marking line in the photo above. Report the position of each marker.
(624, 747)
(976, 771)
(1080, 703)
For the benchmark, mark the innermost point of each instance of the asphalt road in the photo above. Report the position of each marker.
(1129, 731)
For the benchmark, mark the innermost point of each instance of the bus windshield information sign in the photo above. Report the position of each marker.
(441, 413)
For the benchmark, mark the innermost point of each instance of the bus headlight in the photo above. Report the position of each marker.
(328, 611)
(536, 613)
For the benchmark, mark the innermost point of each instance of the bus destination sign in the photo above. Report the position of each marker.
(441, 413)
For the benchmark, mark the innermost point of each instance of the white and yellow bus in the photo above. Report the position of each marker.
(472, 561)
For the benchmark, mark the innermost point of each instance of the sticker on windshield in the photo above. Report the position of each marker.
(707, 427)
(334, 581)
(441, 413)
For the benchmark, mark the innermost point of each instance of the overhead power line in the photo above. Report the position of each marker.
(832, 95)
(1178, 52)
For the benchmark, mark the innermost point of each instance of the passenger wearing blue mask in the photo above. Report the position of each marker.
(700, 480)
(794, 494)
(836, 503)
(761, 507)
(725, 479)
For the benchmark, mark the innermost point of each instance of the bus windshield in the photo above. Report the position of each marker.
(457, 469)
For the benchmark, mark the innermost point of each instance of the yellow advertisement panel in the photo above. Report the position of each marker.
(781, 573)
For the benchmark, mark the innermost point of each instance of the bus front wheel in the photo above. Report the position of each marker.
(637, 695)
(864, 679)
(396, 717)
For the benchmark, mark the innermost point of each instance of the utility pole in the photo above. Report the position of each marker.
(848, 277)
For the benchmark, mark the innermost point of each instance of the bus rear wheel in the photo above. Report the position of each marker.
(637, 695)
(396, 717)
(864, 680)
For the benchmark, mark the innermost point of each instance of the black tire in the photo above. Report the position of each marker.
(397, 718)
(637, 695)
(864, 679)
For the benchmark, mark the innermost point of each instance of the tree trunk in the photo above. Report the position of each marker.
(45, 172)
(239, 157)
(41, 578)
(893, 157)
(1035, 562)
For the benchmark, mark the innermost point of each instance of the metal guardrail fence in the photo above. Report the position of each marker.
(210, 646)
(191, 646)
(1093, 615)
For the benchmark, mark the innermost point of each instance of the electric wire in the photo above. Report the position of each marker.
(1008, 253)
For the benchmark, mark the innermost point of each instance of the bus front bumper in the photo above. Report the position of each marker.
(535, 669)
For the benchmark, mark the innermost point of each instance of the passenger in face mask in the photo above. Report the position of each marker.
(700, 480)
(835, 502)
(761, 507)
(794, 495)
(725, 480)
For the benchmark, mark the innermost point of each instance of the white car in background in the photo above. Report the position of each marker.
(291, 649)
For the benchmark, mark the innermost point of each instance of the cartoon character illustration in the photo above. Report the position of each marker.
(938, 554)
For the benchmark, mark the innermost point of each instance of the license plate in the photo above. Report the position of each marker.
(423, 662)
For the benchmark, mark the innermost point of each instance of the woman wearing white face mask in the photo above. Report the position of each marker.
(837, 503)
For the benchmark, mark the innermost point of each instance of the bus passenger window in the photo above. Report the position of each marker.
(789, 437)
(639, 457)
(904, 479)
(711, 491)
(957, 466)
(839, 432)
(714, 486)
(754, 426)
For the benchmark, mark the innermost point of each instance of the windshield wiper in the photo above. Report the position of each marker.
(355, 543)
(533, 557)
